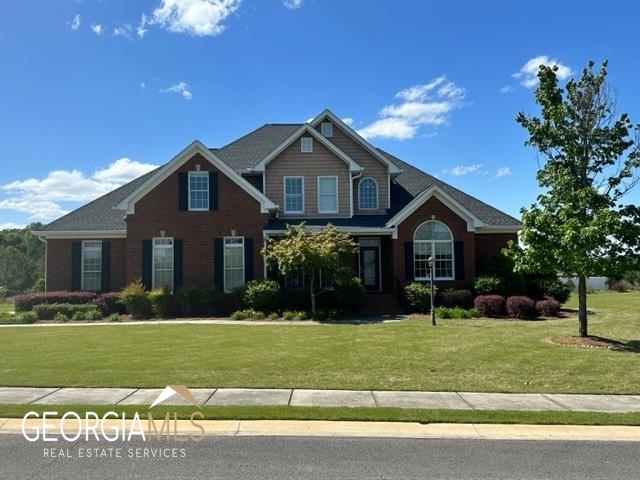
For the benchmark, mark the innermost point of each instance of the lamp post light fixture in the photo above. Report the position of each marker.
(433, 312)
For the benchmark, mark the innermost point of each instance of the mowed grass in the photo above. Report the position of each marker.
(457, 355)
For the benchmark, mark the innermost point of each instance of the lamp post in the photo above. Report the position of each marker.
(433, 312)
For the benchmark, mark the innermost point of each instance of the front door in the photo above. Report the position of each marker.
(370, 267)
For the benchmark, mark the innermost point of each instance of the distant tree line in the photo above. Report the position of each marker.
(21, 260)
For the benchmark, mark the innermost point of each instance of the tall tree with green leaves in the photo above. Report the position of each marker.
(310, 250)
(580, 225)
(21, 258)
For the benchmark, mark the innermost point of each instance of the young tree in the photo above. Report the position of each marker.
(579, 225)
(310, 250)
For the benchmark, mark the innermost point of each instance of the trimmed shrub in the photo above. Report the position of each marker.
(502, 266)
(455, 298)
(26, 317)
(262, 295)
(521, 307)
(455, 312)
(488, 285)
(195, 301)
(26, 301)
(418, 297)
(48, 311)
(135, 298)
(554, 288)
(549, 307)
(349, 291)
(61, 317)
(109, 303)
(159, 299)
(247, 313)
(294, 315)
(489, 305)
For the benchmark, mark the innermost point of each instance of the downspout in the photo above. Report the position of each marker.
(353, 179)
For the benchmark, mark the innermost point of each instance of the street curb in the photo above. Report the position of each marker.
(294, 428)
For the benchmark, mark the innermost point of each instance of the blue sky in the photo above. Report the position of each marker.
(95, 92)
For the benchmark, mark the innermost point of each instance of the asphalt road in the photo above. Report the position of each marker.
(311, 458)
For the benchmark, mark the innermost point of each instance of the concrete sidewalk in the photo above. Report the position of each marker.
(327, 398)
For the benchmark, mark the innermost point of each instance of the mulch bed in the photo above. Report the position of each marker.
(587, 342)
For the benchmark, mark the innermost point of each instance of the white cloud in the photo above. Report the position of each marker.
(97, 28)
(292, 4)
(42, 198)
(419, 105)
(196, 17)
(503, 172)
(348, 120)
(507, 89)
(465, 169)
(140, 29)
(527, 75)
(143, 85)
(181, 88)
(75, 23)
(123, 31)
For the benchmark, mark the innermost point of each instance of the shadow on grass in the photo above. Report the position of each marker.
(632, 346)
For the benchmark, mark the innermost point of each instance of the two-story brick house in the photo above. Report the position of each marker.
(202, 218)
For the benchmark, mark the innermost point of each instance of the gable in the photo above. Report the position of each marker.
(193, 149)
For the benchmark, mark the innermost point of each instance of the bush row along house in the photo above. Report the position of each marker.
(202, 218)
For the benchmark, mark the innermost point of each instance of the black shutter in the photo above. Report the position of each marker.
(248, 259)
(458, 255)
(213, 190)
(218, 263)
(183, 191)
(177, 264)
(106, 266)
(76, 265)
(147, 263)
(408, 260)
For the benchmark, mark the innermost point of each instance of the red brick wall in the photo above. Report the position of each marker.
(489, 243)
(59, 264)
(158, 210)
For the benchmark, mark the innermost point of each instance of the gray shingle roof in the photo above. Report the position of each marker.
(413, 181)
(100, 214)
(244, 153)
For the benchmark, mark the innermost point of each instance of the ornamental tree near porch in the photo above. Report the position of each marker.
(580, 225)
(310, 250)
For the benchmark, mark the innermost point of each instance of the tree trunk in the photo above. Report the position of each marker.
(582, 306)
(312, 281)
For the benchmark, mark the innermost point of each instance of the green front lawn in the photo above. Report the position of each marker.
(457, 355)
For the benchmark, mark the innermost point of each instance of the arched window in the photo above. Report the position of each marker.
(433, 239)
(367, 194)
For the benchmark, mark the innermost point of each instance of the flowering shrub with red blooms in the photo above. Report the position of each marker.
(521, 307)
(549, 307)
(489, 305)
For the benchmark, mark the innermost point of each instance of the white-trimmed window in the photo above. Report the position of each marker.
(233, 263)
(368, 194)
(91, 265)
(328, 194)
(306, 144)
(433, 239)
(162, 274)
(293, 194)
(198, 191)
(326, 129)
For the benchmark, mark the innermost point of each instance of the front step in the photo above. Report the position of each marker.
(379, 304)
